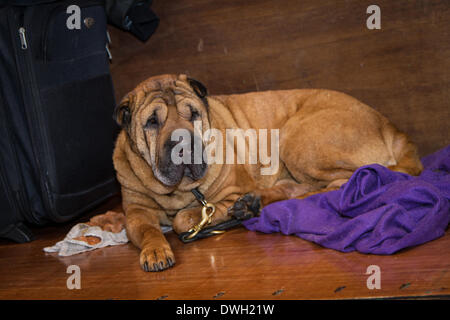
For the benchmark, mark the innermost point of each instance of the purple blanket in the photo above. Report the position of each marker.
(377, 211)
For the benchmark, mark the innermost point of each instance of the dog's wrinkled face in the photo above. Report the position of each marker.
(151, 113)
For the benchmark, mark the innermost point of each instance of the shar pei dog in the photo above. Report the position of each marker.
(322, 137)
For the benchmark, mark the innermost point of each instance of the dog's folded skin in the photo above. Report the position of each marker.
(324, 137)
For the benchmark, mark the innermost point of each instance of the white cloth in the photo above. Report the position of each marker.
(69, 246)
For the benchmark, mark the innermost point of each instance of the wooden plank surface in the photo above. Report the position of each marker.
(237, 265)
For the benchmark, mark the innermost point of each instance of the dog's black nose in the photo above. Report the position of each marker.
(186, 158)
(195, 171)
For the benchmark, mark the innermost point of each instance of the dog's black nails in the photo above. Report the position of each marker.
(169, 262)
(256, 205)
(146, 266)
(161, 265)
(238, 213)
(238, 205)
(155, 267)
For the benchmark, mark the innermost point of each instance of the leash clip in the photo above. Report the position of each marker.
(207, 213)
(206, 219)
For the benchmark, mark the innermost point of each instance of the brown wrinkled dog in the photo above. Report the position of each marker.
(324, 137)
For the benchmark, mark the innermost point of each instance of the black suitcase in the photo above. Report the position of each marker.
(56, 104)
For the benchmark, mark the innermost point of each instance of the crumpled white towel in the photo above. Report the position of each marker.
(85, 237)
(70, 246)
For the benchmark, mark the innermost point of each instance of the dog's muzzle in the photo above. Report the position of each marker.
(192, 163)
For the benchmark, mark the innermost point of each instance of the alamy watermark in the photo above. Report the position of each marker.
(374, 280)
(74, 280)
(374, 20)
(256, 151)
(74, 19)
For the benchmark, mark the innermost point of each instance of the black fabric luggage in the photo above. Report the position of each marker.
(56, 104)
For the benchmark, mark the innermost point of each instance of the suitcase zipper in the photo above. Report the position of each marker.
(22, 201)
(23, 38)
(31, 97)
(35, 96)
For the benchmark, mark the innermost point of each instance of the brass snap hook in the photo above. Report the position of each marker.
(208, 210)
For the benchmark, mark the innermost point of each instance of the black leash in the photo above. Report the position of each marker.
(201, 230)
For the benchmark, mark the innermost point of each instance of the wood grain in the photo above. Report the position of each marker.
(236, 46)
(236, 265)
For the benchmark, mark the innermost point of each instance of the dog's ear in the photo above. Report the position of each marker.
(198, 87)
(122, 114)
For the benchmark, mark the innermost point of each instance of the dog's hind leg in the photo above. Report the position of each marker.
(404, 151)
(331, 187)
(283, 190)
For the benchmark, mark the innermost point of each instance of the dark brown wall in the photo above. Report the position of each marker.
(235, 46)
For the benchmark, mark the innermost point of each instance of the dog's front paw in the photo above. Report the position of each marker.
(156, 258)
(249, 205)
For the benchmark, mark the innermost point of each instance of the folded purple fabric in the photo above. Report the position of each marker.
(377, 211)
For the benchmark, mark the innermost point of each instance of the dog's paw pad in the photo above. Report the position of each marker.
(153, 260)
(248, 205)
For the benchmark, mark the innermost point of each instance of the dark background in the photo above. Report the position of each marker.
(236, 46)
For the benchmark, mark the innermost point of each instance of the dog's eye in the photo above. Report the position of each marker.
(194, 114)
(152, 122)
